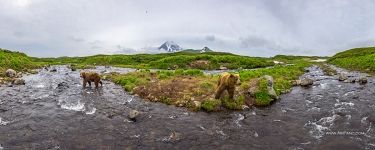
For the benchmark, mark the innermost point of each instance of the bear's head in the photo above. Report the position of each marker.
(83, 74)
(234, 79)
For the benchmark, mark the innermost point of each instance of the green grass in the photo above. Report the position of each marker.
(282, 75)
(235, 104)
(16, 61)
(181, 60)
(211, 105)
(360, 59)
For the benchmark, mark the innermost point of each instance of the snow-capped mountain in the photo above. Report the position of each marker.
(205, 49)
(170, 46)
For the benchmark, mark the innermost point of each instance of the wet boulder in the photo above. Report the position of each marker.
(350, 80)
(303, 82)
(10, 73)
(270, 89)
(362, 80)
(307, 82)
(53, 70)
(133, 114)
(18, 81)
(254, 88)
(343, 77)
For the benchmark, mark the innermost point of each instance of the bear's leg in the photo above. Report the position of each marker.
(96, 84)
(231, 92)
(219, 92)
(84, 83)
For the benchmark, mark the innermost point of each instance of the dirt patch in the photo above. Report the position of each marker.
(180, 91)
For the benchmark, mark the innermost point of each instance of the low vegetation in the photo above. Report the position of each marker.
(16, 61)
(179, 60)
(193, 89)
(360, 59)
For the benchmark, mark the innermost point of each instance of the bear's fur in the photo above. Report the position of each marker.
(89, 77)
(227, 81)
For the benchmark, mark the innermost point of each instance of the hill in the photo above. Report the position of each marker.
(14, 60)
(182, 60)
(360, 59)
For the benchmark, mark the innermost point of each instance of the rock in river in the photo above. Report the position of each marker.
(19, 81)
(303, 82)
(343, 77)
(133, 115)
(307, 82)
(362, 80)
(10, 73)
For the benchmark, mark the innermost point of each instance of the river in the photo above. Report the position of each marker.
(52, 111)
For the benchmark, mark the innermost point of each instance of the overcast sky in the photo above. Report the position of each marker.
(249, 27)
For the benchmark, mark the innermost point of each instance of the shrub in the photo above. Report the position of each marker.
(211, 105)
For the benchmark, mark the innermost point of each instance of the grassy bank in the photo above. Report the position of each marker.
(16, 61)
(179, 60)
(360, 59)
(191, 88)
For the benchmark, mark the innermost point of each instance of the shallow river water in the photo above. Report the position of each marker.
(52, 111)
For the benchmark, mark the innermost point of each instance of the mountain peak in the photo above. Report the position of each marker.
(170, 46)
(205, 49)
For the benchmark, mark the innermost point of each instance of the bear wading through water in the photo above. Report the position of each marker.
(227, 81)
(89, 77)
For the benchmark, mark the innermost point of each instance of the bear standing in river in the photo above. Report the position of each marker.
(227, 81)
(89, 77)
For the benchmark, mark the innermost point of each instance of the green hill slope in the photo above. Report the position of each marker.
(14, 60)
(361, 59)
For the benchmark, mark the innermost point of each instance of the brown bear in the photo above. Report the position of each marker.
(227, 81)
(89, 77)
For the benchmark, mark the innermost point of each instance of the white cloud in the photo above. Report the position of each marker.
(254, 27)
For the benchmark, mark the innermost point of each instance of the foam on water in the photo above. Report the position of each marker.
(239, 117)
(344, 104)
(3, 122)
(78, 106)
(90, 112)
(317, 131)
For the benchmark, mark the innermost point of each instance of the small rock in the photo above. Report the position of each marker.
(19, 81)
(53, 70)
(174, 136)
(62, 85)
(343, 77)
(245, 107)
(362, 80)
(10, 73)
(197, 104)
(133, 114)
(307, 82)
(223, 68)
(19, 74)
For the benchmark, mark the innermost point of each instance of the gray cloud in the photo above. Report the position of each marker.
(253, 27)
(210, 38)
